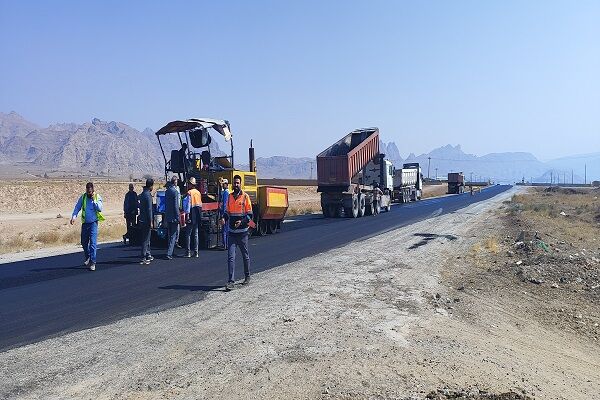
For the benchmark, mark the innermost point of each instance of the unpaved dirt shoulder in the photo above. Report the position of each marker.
(360, 321)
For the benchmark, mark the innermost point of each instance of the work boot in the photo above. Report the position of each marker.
(86, 262)
(229, 286)
(92, 267)
(246, 280)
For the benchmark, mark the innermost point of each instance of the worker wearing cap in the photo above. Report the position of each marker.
(224, 197)
(195, 203)
(237, 216)
(171, 217)
(145, 221)
(90, 205)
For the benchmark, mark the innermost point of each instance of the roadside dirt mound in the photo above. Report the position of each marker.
(473, 394)
(556, 189)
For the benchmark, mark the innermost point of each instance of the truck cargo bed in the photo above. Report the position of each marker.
(337, 164)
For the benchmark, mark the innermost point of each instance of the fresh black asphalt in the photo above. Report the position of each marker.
(51, 296)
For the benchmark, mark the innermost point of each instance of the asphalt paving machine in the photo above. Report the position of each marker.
(194, 158)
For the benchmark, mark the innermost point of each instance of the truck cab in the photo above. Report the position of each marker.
(375, 170)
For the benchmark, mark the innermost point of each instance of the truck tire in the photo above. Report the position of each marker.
(352, 212)
(369, 208)
(361, 205)
(326, 210)
(273, 226)
(261, 228)
(336, 211)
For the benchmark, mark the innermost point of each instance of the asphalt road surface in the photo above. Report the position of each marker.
(51, 296)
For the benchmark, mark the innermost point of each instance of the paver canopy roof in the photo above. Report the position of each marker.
(219, 125)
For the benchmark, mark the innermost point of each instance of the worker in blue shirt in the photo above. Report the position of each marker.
(224, 197)
(90, 205)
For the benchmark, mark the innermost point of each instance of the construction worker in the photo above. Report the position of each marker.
(195, 215)
(172, 215)
(224, 197)
(145, 221)
(238, 216)
(175, 182)
(90, 205)
(377, 193)
(130, 210)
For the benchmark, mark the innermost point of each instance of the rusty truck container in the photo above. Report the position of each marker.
(273, 202)
(337, 164)
(456, 183)
(456, 177)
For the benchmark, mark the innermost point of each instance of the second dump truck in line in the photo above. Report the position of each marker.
(355, 179)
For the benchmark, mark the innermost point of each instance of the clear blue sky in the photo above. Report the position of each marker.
(490, 75)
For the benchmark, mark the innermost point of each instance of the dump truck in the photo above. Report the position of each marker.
(408, 183)
(354, 179)
(456, 183)
(193, 157)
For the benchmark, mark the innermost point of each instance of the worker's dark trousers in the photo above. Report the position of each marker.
(191, 238)
(239, 240)
(173, 231)
(145, 237)
(130, 221)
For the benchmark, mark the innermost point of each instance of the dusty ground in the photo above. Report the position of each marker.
(413, 313)
(46, 224)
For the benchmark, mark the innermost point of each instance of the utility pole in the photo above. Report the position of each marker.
(428, 166)
(436, 175)
(585, 174)
(572, 177)
(311, 169)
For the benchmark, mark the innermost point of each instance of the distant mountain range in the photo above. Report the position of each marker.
(114, 148)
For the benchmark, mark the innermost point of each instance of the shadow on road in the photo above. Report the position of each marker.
(194, 288)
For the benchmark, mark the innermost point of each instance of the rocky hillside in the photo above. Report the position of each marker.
(97, 147)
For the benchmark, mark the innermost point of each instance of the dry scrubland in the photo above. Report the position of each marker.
(35, 214)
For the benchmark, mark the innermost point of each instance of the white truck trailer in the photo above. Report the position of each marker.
(408, 183)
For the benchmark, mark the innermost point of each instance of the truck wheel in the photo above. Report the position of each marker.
(261, 228)
(361, 205)
(369, 209)
(353, 211)
(273, 226)
(335, 211)
(326, 210)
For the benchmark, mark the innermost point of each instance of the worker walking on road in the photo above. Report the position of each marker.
(130, 210)
(172, 215)
(90, 205)
(237, 216)
(145, 221)
(224, 198)
(195, 215)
